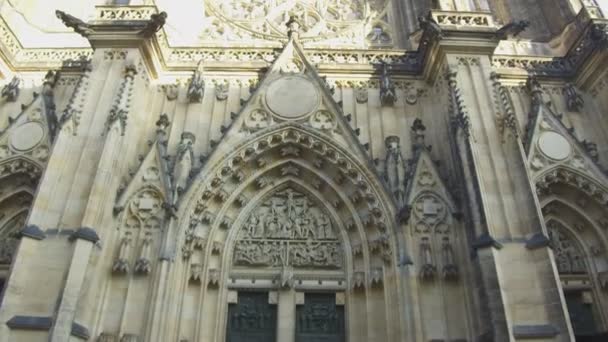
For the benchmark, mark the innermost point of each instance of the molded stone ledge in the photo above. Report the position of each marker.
(80, 331)
(534, 331)
(33, 232)
(538, 240)
(85, 233)
(30, 323)
(485, 241)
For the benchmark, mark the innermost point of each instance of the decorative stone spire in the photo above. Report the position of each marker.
(120, 110)
(183, 165)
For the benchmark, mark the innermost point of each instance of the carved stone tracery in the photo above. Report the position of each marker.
(288, 229)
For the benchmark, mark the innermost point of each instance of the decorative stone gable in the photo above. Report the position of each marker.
(555, 154)
(288, 229)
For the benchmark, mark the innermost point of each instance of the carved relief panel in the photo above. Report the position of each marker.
(288, 229)
(350, 23)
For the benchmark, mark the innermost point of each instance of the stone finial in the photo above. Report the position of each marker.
(293, 27)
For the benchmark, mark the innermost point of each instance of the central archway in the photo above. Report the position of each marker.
(340, 186)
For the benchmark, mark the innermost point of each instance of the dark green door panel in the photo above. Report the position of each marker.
(319, 319)
(252, 319)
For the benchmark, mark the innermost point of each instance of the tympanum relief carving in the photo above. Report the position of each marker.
(288, 229)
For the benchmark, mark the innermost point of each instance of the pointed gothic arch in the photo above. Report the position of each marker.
(574, 205)
(217, 206)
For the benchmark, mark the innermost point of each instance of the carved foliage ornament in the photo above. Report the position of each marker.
(288, 230)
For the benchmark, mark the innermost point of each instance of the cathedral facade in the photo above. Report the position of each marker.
(304, 170)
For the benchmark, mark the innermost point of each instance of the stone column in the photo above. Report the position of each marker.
(286, 315)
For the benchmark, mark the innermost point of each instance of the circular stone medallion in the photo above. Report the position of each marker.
(554, 145)
(292, 97)
(27, 136)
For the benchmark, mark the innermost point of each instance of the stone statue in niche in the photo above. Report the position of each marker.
(450, 270)
(394, 169)
(11, 90)
(574, 101)
(427, 267)
(288, 230)
(388, 96)
(196, 89)
(183, 164)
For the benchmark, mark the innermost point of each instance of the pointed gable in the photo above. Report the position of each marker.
(152, 173)
(291, 93)
(550, 144)
(28, 135)
(425, 178)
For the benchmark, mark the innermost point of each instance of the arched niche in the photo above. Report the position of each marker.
(574, 209)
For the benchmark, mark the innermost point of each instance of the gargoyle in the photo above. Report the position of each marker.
(512, 29)
(78, 25)
(155, 23)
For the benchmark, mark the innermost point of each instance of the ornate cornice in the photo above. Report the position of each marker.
(480, 25)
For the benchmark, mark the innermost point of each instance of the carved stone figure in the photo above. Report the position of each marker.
(221, 91)
(71, 21)
(450, 270)
(568, 256)
(11, 90)
(49, 103)
(121, 264)
(427, 267)
(183, 165)
(418, 130)
(388, 95)
(574, 100)
(143, 264)
(361, 95)
(288, 230)
(591, 149)
(394, 169)
(196, 89)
